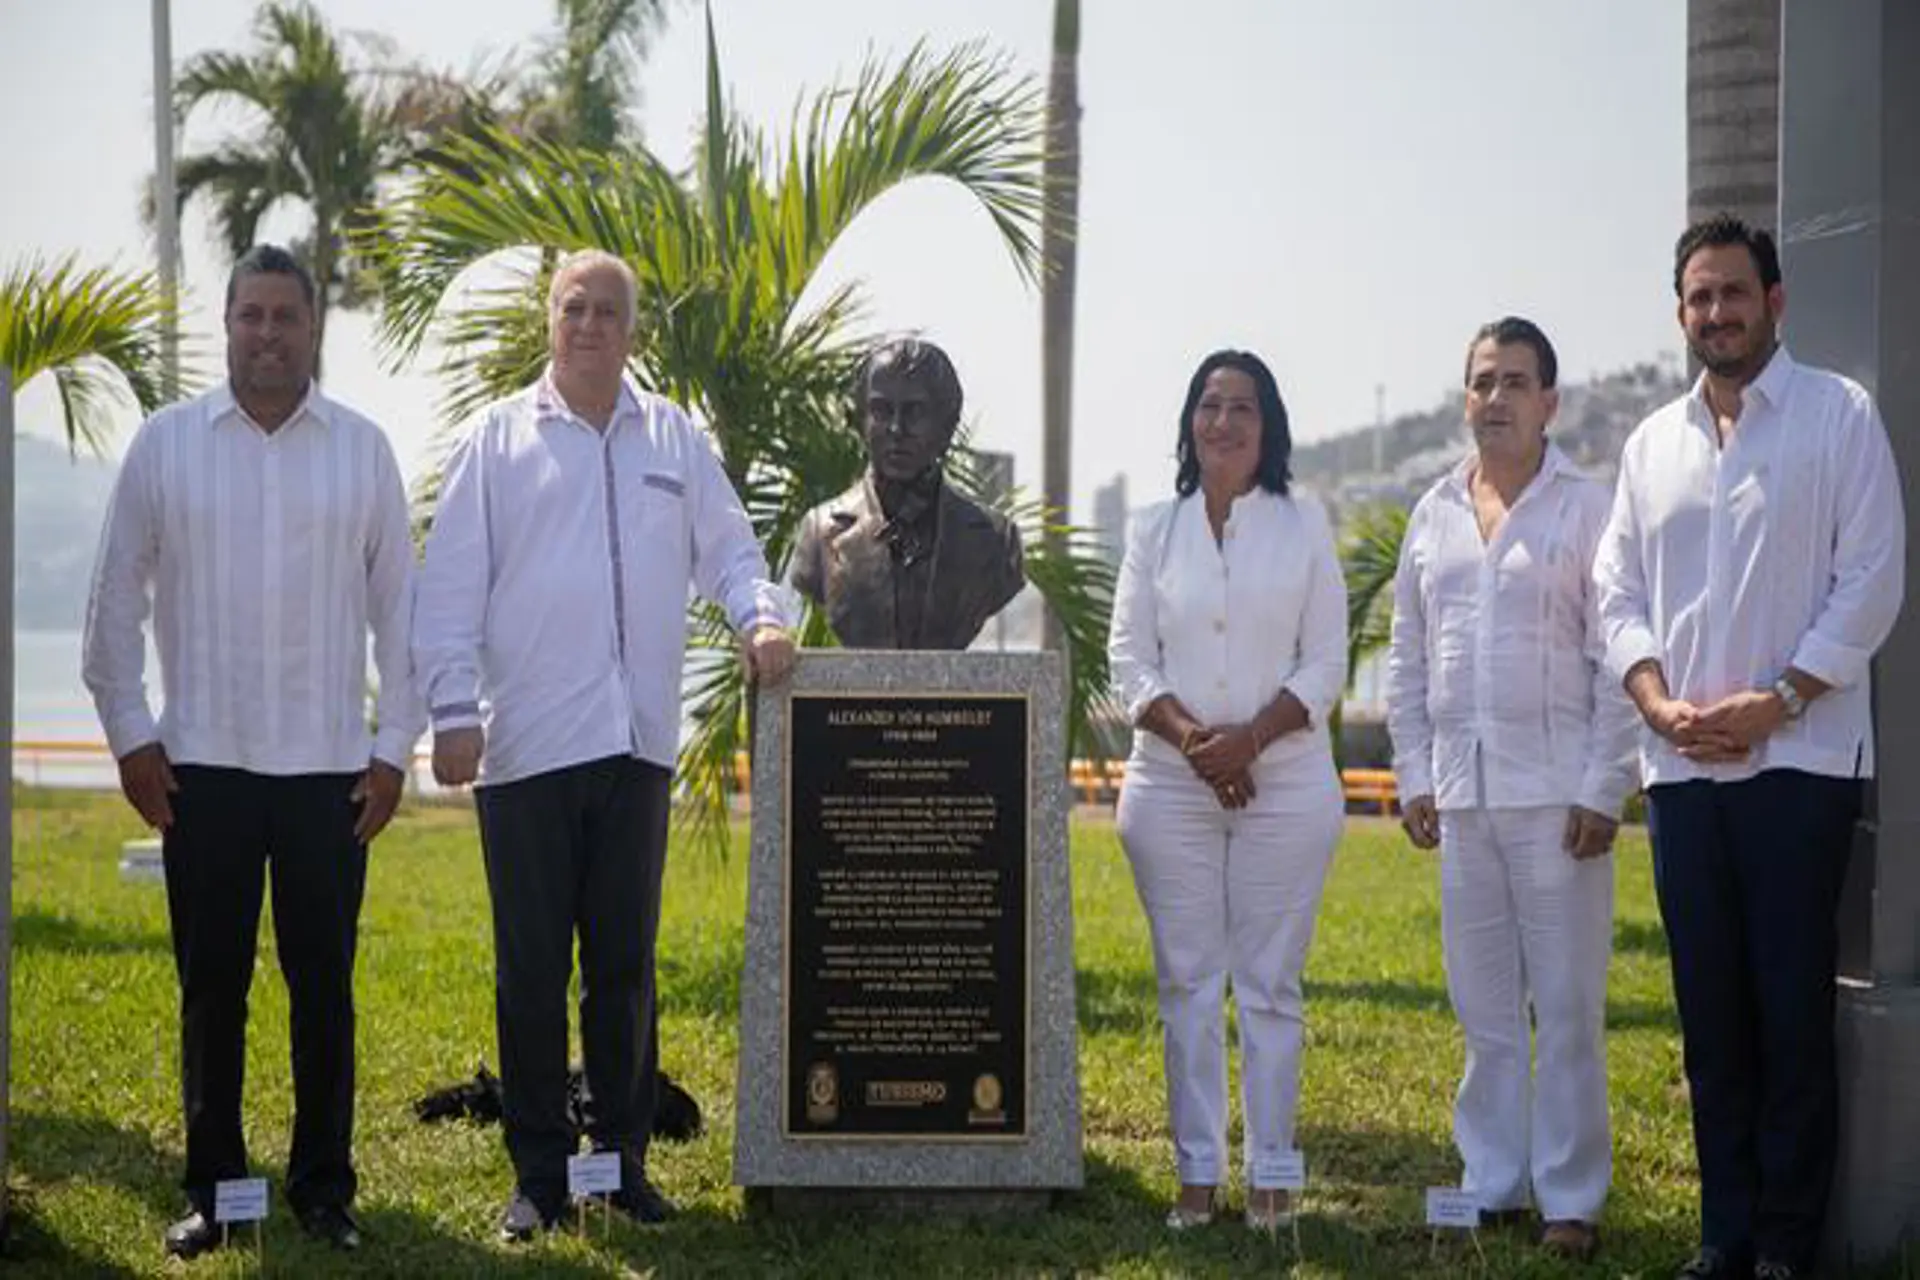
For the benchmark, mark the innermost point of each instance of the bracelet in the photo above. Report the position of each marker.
(1186, 739)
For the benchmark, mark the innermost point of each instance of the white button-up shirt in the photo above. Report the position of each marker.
(267, 557)
(1787, 548)
(1225, 627)
(1497, 689)
(553, 603)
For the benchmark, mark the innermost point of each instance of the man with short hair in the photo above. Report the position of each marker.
(1753, 563)
(549, 636)
(1514, 747)
(269, 525)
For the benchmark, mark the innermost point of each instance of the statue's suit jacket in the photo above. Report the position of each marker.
(841, 563)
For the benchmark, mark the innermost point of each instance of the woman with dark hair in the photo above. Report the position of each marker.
(1229, 648)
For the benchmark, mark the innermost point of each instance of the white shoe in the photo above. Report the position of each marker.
(1181, 1218)
(1277, 1216)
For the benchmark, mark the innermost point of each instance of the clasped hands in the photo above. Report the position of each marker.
(1223, 758)
(1722, 733)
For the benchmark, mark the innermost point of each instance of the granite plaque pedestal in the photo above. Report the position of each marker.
(907, 1025)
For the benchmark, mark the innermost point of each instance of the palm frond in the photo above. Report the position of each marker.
(717, 708)
(96, 330)
(493, 192)
(219, 74)
(962, 116)
(243, 182)
(1369, 558)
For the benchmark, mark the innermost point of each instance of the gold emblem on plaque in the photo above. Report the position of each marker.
(823, 1093)
(986, 1092)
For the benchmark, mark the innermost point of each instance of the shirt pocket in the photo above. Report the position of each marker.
(659, 519)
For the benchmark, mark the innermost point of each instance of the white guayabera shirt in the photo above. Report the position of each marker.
(1785, 548)
(1497, 689)
(1225, 627)
(265, 558)
(552, 605)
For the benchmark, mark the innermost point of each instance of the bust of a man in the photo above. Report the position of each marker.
(901, 561)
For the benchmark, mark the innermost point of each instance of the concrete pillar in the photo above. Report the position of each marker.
(1850, 221)
(1733, 109)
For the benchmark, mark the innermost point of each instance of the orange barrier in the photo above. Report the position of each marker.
(1371, 786)
(1093, 781)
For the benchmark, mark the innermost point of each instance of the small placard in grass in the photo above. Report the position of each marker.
(1290, 1171)
(1452, 1208)
(240, 1200)
(597, 1174)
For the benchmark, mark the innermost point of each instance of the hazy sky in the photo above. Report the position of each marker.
(1348, 188)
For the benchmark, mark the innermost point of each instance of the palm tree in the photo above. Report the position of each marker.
(327, 131)
(98, 333)
(1370, 556)
(584, 82)
(1057, 286)
(724, 255)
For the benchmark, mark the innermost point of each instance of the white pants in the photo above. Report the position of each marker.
(1522, 921)
(1229, 895)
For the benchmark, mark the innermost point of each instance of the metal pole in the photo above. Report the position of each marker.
(6, 776)
(165, 199)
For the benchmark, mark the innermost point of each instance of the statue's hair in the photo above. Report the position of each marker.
(916, 357)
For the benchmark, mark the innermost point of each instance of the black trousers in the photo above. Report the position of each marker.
(1749, 877)
(576, 850)
(229, 826)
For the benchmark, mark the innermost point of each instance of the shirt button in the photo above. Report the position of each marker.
(1220, 684)
(1220, 625)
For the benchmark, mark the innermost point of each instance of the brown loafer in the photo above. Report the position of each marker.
(1571, 1238)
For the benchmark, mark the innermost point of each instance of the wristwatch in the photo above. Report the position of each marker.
(1790, 696)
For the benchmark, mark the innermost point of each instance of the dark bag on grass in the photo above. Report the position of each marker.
(676, 1116)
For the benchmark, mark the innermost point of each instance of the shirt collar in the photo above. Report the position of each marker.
(221, 403)
(548, 403)
(1771, 386)
(1556, 463)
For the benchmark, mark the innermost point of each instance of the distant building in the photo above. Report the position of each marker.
(996, 473)
(1110, 517)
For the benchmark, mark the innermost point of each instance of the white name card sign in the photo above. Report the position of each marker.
(597, 1174)
(1290, 1172)
(1452, 1209)
(240, 1200)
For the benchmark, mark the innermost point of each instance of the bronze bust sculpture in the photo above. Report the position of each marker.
(901, 561)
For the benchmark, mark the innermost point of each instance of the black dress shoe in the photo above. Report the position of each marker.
(1714, 1264)
(642, 1201)
(193, 1235)
(331, 1224)
(523, 1219)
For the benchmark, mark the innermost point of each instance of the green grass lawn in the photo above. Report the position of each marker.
(96, 1137)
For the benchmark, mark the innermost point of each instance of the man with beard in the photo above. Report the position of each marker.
(1753, 563)
(269, 525)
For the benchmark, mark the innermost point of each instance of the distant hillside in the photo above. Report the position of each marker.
(59, 502)
(1594, 421)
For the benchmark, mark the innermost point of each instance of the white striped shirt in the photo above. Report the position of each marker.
(1784, 547)
(1498, 695)
(553, 601)
(265, 557)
